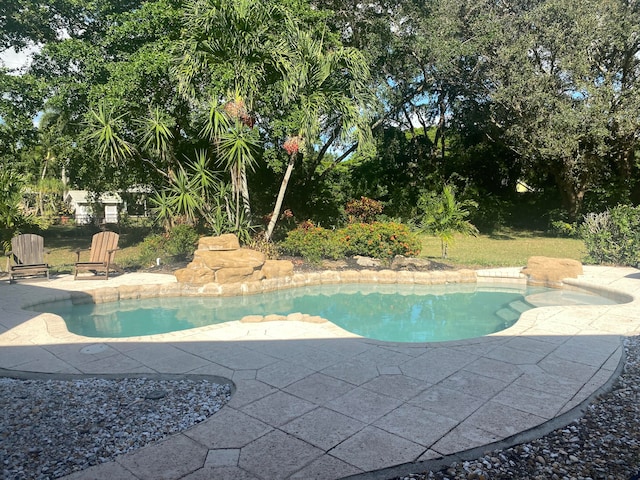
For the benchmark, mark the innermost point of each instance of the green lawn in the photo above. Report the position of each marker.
(508, 248)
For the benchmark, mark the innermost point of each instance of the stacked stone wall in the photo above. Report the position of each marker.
(221, 260)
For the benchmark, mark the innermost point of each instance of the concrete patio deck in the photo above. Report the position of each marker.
(315, 402)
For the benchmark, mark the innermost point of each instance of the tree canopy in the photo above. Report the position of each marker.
(388, 99)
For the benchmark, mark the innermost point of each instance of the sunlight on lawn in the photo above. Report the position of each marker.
(501, 250)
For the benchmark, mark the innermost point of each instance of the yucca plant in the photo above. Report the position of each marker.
(105, 132)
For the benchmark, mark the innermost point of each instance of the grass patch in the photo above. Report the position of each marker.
(508, 248)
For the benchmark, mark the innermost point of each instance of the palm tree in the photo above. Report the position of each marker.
(235, 142)
(228, 39)
(156, 137)
(444, 216)
(327, 92)
(234, 49)
(47, 158)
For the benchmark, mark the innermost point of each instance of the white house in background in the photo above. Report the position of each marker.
(105, 210)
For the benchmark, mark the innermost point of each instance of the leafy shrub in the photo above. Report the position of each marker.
(181, 241)
(313, 243)
(613, 236)
(12, 218)
(560, 228)
(151, 248)
(492, 214)
(378, 240)
(559, 224)
(364, 210)
(260, 244)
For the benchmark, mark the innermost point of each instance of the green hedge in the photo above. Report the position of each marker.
(313, 243)
(378, 240)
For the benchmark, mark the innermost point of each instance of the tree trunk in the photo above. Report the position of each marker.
(245, 192)
(279, 200)
(572, 192)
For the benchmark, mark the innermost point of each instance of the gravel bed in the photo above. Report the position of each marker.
(604, 444)
(51, 428)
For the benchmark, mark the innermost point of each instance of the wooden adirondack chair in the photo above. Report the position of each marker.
(26, 256)
(103, 248)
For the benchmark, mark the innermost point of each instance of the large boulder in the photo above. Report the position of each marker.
(198, 276)
(550, 271)
(367, 261)
(240, 258)
(227, 241)
(277, 268)
(238, 275)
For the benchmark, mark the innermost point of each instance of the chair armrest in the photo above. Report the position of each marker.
(110, 254)
(10, 256)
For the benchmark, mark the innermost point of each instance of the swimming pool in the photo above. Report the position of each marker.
(398, 313)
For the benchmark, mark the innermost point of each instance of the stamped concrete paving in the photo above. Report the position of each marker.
(314, 401)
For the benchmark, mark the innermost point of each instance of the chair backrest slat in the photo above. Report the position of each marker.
(101, 243)
(28, 249)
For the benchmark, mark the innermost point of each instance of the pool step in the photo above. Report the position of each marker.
(512, 312)
(520, 306)
(508, 315)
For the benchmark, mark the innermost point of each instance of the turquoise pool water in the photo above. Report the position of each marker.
(398, 313)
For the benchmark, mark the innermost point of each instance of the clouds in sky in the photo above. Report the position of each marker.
(11, 59)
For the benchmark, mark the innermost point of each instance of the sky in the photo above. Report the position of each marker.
(12, 59)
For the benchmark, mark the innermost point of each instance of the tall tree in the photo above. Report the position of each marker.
(25, 23)
(252, 58)
(117, 54)
(225, 55)
(562, 81)
(20, 101)
(328, 94)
